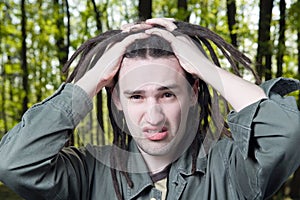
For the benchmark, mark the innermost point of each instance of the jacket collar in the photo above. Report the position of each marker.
(139, 172)
(184, 164)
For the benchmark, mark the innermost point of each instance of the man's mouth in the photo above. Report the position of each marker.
(155, 134)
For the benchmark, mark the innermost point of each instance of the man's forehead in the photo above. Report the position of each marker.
(150, 64)
(151, 74)
(152, 87)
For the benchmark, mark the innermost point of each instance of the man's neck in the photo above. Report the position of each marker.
(156, 163)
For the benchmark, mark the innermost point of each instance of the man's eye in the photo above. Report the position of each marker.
(136, 97)
(168, 95)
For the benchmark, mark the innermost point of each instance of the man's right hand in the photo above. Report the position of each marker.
(107, 66)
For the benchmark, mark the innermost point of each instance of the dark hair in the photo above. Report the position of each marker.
(156, 46)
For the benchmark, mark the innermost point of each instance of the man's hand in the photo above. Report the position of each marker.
(107, 66)
(188, 54)
(168, 23)
(237, 91)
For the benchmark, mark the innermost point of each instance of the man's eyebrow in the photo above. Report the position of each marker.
(131, 92)
(168, 87)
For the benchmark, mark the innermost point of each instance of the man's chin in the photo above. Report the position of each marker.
(161, 150)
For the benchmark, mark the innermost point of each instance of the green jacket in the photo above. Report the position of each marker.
(253, 164)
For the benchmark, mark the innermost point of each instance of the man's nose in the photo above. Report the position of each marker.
(155, 115)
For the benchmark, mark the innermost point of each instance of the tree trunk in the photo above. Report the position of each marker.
(68, 30)
(2, 85)
(281, 39)
(99, 95)
(298, 75)
(231, 13)
(3, 100)
(24, 59)
(145, 9)
(97, 16)
(264, 49)
(182, 9)
(62, 37)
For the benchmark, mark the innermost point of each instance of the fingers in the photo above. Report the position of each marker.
(121, 46)
(162, 33)
(187, 52)
(170, 37)
(135, 27)
(168, 23)
(109, 62)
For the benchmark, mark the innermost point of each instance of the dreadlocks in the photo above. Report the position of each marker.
(155, 46)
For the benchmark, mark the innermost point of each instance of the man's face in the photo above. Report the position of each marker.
(155, 98)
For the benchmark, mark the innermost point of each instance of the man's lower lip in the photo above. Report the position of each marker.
(156, 136)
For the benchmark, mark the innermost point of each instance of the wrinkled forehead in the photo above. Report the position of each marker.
(155, 66)
(136, 72)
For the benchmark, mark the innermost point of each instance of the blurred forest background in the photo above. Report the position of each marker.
(37, 37)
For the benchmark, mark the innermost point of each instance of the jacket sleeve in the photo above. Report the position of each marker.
(267, 136)
(32, 163)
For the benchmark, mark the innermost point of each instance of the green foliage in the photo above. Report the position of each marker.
(294, 15)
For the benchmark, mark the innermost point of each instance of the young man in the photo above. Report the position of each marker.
(156, 75)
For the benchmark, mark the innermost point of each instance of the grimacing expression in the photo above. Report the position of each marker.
(155, 98)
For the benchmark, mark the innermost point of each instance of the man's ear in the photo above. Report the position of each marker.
(116, 98)
(195, 92)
